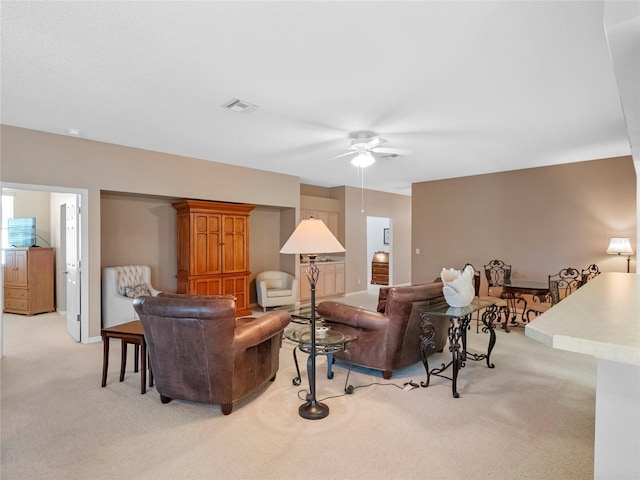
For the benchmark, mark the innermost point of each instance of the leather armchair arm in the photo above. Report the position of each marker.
(335, 312)
(261, 329)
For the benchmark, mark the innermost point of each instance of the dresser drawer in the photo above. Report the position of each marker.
(15, 304)
(17, 293)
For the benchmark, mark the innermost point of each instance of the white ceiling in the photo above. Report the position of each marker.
(468, 87)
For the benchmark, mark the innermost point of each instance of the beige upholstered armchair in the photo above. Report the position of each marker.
(275, 289)
(120, 285)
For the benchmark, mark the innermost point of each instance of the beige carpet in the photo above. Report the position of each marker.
(532, 417)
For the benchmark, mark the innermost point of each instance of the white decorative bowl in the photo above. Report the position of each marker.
(457, 286)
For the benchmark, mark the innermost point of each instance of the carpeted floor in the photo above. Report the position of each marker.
(532, 417)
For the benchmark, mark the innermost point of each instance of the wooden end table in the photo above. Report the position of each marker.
(133, 333)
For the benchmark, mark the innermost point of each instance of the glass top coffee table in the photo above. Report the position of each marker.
(328, 344)
(301, 315)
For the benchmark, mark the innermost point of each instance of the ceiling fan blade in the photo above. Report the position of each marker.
(374, 142)
(397, 151)
(345, 154)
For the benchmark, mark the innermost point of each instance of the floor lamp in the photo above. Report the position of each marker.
(621, 246)
(312, 237)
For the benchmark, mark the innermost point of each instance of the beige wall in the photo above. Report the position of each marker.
(539, 220)
(139, 229)
(36, 158)
(376, 204)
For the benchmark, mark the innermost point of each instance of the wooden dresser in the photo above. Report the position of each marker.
(213, 250)
(380, 268)
(28, 280)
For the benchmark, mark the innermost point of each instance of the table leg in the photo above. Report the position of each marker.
(427, 333)
(456, 358)
(143, 367)
(488, 317)
(297, 380)
(123, 359)
(150, 370)
(136, 351)
(105, 359)
(329, 366)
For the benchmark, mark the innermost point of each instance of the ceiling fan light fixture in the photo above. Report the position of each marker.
(363, 160)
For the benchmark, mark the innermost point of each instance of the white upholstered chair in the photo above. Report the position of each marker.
(120, 285)
(276, 289)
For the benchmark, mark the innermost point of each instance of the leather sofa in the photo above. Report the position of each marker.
(388, 339)
(201, 353)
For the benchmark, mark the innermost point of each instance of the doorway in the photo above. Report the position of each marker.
(58, 196)
(379, 239)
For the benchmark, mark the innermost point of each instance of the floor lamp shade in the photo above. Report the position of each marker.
(312, 237)
(621, 246)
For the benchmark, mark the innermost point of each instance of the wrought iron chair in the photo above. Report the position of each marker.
(498, 273)
(569, 280)
(500, 303)
(561, 285)
(589, 273)
(552, 299)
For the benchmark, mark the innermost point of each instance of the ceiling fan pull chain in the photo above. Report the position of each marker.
(361, 189)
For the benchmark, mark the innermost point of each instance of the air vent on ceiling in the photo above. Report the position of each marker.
(239, 106)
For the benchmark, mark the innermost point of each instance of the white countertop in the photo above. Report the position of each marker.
(602, 319)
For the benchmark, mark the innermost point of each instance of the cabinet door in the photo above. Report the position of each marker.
(206, 240)
(237, 286)
(320, 290)
(329, 280)
(340, 288)
(324, 216)
(205, 286)
(306, 214)
(332, 223)
(235, 255)
(16, 269)
(303, 283)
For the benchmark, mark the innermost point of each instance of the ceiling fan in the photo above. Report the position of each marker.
(364, 144)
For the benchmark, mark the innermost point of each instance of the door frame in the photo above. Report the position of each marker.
(84, 256)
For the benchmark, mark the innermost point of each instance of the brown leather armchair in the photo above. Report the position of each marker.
(389, 339)
(200, 352)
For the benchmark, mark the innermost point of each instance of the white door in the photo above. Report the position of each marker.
(73, 269)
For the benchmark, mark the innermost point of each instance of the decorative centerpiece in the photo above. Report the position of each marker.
(457, 286)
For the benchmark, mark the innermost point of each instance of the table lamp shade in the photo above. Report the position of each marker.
(620, 246)
(312, 237)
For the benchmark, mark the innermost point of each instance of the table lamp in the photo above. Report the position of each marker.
(621, 246)
(312, 237)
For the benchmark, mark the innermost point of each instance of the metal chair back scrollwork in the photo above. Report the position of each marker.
(498, 273)
(568, 279)
(589, 273)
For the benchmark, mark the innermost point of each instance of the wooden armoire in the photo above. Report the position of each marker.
(213, 250)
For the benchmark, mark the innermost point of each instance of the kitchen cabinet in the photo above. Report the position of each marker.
(331, 281)
(213, 250)
(28, 280)
(330, 219)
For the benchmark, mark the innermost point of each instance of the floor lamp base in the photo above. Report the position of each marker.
(313, 410)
